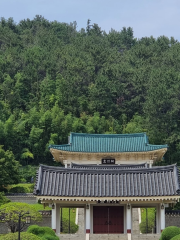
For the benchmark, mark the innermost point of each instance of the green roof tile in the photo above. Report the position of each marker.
(83, 142)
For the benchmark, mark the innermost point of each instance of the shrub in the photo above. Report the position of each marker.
(49, 237)
(48, 231)
(19, 189)
(170, 232)
(31, 187)
(43, 232)
(24, 236)
(34, 229)
(73, 226)
(177, 237)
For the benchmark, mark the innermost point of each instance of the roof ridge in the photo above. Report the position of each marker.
(110, 170)
(108, 135)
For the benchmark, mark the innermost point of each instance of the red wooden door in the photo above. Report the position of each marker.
(116, 220)
(100, 220)
(108, 219)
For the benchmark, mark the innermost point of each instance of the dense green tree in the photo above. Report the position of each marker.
(9, 168)
(55, 79)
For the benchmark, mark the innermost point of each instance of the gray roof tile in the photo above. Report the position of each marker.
(142, 182)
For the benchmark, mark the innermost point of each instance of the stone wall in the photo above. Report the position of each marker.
(22, 197)
(172, 218)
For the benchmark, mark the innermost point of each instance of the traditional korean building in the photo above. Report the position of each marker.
(108, 175)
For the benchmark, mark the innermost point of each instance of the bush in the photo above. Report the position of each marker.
(19, 189)
(46, 233)
(49, 237)
(177, 237)
(24, 236)
(31, 187)
(170, 232)
(73, 226)
(34, 229)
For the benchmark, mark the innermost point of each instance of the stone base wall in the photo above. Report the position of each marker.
(145, 236)
(22, 197)
(93, 237)
(110, 236)
(72, 236)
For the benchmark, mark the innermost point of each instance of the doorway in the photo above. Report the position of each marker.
(108, 219)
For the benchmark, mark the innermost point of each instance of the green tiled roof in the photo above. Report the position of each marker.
(82, 142)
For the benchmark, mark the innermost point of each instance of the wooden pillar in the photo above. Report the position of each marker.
(88, 220)
(58, 218)
(162, 213)
(158, 225)
(128, 218)
(55, 218)
(160, 217)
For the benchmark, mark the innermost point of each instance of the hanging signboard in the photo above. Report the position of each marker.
(108, 161)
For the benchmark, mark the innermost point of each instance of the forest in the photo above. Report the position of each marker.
(55, 79)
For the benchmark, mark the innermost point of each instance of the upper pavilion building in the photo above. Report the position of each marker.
(108, 175)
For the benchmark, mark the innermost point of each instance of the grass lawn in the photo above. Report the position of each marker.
(65, 214)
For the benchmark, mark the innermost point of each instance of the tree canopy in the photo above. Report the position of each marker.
(55, 79)
(9, 168)
(9, 214)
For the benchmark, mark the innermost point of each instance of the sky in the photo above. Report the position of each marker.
(146, 17)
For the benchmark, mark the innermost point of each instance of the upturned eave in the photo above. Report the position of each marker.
(155, 155)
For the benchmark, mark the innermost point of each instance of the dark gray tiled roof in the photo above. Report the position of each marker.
(107, 167)
(73, 182)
